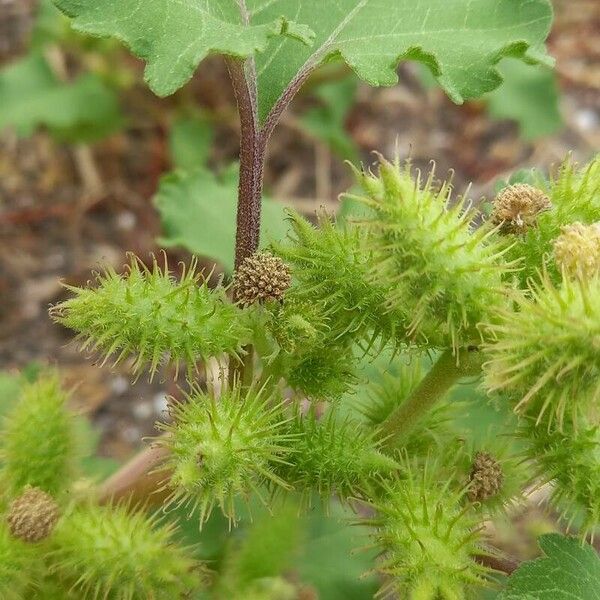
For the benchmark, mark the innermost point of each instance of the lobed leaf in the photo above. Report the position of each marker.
(569, 571)
(173, 37)
(31, 96)
(461, 41)
(198, 212)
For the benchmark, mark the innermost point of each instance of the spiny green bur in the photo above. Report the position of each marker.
(38, 441)
(546, 355)
(574, 192)
(147, 314)
(569, 460)
(16, 563)
(444, 275)
(324, 372)
(333, 455)
(113, 552)
(223, 448)
(329, 253)
(427, 538)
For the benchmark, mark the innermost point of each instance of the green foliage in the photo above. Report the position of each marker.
(222, 449)
(146, 313)
(333, 455)
(529, 96)
(198, 212)
(330, 562)
(567, 571)
(190, 140)
(111, 552)
(487, 30)
(428, 540)
(444, 277)
(544, 354)
(190, 32)
(268, 548)
(32, 96)
(38, 442)
(373, 36)
(327, 121)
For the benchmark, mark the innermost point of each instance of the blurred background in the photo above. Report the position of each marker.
(93, 165)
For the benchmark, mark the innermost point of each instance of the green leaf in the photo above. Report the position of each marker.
(198, 211)
(31, 96)
(174, 37)
(330, 560)
(461, 41)
(327, 122)
(528, 96)
(190, 141)
(568, 571)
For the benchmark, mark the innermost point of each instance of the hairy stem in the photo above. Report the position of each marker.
(252, 158)
(448, 369)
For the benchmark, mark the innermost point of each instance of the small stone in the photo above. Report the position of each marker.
(33, 515)
(486, 477)
(261, 277)
(516, 208)
(577, 250)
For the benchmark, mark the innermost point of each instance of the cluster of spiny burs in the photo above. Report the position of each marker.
(56, 541)
(516, 299)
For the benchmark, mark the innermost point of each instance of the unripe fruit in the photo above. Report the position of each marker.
(222, 448)
(517, 207)
(444, 276)
(33, 515)
(113, 552)
(334, 455)
(577, 250)
(17, 563)
(261, 277)
(546, 357)
(428, 538)
(148, 314)
(38, 439)
(570, 462)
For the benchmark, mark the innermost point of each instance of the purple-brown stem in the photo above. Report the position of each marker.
(253, 148)
(252, 156)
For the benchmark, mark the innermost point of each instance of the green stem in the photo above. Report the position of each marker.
(448, 369)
